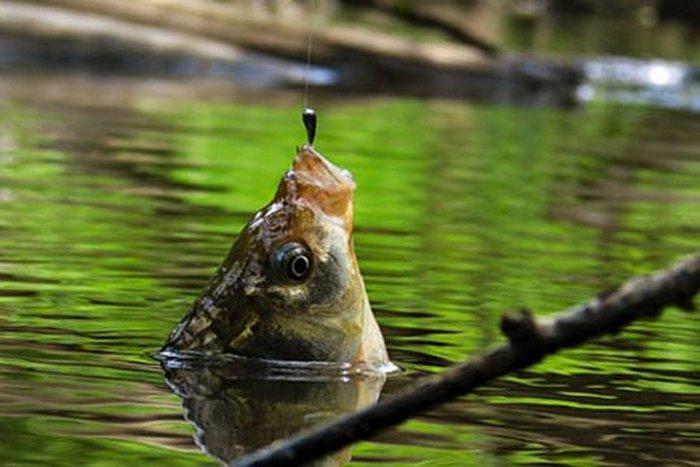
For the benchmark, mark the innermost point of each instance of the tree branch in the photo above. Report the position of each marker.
(445, 17)
(530, 340)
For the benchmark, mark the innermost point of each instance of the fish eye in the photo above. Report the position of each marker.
(293, 261)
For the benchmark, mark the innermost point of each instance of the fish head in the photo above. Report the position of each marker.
(290, 288)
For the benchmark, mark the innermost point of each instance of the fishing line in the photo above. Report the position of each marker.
(309, 48)
(308, 115)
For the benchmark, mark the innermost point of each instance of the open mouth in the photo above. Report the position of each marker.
(315, 181)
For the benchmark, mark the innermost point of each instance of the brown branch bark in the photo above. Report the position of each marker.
(446, 17)
(530, 340)
(226, 23)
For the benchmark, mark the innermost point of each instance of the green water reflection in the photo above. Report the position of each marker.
(113, 214)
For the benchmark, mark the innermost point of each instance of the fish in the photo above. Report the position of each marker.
(290, 287)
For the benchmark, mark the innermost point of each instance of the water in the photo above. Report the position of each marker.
(118, 199)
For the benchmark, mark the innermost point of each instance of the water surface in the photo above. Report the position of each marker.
(118, 200)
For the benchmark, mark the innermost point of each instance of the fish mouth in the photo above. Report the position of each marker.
(316, 182)
(315, 169)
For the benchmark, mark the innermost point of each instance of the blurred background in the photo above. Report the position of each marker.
(508, 153)
(525, 51)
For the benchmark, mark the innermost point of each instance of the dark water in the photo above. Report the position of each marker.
(119, 198)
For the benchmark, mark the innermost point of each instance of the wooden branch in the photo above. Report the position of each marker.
(449, 18)
(229, 24)
(530, 341)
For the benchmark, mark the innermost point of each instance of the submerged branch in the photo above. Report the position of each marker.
(530, 340)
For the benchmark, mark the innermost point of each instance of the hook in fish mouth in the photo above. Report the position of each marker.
(290, 287)
(316, 182)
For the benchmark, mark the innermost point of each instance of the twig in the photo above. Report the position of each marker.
(530, 341)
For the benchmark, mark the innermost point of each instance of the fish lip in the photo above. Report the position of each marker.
(311, 165)
(315, 182)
